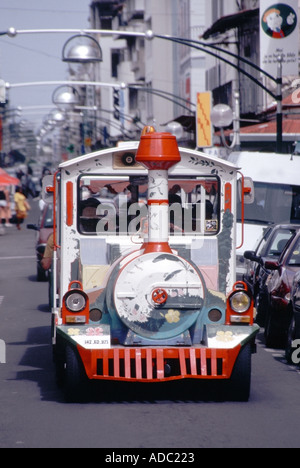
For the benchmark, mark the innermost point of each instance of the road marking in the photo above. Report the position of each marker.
(1, 299)
(17, 258)
(278, 354)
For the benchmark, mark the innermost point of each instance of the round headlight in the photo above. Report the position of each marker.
(240, 302)
(75, 302)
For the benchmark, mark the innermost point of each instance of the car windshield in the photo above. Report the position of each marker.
(279, 242)
(273, 204)
(294, 257)
(118, 206)
(48, 220)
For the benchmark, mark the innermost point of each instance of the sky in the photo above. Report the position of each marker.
(37, 57)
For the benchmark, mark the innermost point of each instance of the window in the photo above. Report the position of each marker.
(294, 259)
(118, 206)
(279, 242)
(115, 60)
(274, 203)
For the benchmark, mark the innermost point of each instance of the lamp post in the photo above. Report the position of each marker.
(222, 116)
(63, 97)
(206, 48)
(84, 51)
(198, 45)
(181, 102)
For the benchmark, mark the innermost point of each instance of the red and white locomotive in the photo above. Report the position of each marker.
(144, 268)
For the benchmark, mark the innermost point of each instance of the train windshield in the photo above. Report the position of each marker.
(118, 206)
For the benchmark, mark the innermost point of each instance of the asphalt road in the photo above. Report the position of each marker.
(33, 413)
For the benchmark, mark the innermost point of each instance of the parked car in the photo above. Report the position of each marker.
(294, 327)
(279, 284)
(269, 247)
(44, 228)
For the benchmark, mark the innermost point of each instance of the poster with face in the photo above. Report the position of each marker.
(279, 36)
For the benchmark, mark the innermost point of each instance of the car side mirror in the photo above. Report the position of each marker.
(33, 227)
(251, 255)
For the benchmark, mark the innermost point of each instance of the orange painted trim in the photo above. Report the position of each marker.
(55, 201)
(158, 202)
(69, 203)
(228, 197)
(151, 247)
(242, 211)
(148, 364)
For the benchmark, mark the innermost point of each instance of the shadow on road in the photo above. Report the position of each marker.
(38, 357)
(38, 364)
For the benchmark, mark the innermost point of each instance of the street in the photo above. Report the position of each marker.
(33, 412)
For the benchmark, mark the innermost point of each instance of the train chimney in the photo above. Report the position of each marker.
(158, 152)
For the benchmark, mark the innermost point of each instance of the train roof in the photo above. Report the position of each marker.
(196, 158)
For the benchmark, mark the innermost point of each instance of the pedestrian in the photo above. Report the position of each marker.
(3, 204)
(47, 264)
(22, 207)
(5, 211)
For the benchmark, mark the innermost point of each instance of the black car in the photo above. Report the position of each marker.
(270, 247)
(279, 285)
(294, 328)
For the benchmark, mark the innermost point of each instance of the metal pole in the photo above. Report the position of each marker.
(66, 82)
(279, 105)
(236, 121)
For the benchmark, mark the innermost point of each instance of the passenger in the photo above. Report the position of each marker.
(209, 210)
(175, 211)
(88, 215)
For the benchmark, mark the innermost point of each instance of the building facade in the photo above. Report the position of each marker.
(163, 77)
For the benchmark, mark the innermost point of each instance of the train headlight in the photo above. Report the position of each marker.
(240, 302)
(75, 301)
(75, 307)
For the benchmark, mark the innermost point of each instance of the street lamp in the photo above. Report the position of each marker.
(175, 128)
(82, 48)
(66, 98)
(215, 52)
(222, 116)
(56, 117)
(198, 45)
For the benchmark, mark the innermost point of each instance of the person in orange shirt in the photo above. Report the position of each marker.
(22, 206)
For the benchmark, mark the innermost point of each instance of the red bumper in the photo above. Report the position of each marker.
(158, 364)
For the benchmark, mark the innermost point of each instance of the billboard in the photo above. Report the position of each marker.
(204, 125)
(279, 36)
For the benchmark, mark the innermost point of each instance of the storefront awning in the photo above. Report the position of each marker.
(230, 21)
